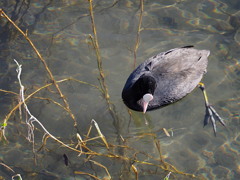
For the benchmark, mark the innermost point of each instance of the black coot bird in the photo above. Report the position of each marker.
(166, 78)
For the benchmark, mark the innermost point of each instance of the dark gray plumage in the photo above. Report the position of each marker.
(176, 73)
(166, 78)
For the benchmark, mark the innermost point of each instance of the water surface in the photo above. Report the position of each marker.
(61, 31)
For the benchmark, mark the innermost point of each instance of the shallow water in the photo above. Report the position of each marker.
(60, 31)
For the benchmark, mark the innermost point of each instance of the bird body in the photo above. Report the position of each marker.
(166, 77)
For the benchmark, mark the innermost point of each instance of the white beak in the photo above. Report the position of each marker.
(146, 99)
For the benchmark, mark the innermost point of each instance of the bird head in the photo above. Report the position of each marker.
(144, 88)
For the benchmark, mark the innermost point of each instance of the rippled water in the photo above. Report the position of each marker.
(61, 32)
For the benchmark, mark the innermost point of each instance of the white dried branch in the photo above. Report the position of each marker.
(32, 118)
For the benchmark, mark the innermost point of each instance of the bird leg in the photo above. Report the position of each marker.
(211, 113)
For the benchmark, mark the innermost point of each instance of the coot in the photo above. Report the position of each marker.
(166, 78)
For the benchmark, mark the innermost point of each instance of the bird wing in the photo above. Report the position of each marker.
(178, 72)
(172, 61)
(177, 60)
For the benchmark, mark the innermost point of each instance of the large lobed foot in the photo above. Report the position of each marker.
(211, 114)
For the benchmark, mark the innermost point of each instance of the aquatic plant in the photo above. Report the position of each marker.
(82, 145)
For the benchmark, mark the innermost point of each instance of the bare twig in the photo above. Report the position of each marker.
(100, 165)
(38, 90)
(138, 34)
(25, 34)
(10, 169)
(103, 85)
(32, 118)
(135, 170)
(88, 174)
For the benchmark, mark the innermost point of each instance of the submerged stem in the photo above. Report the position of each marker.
(2, 13)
